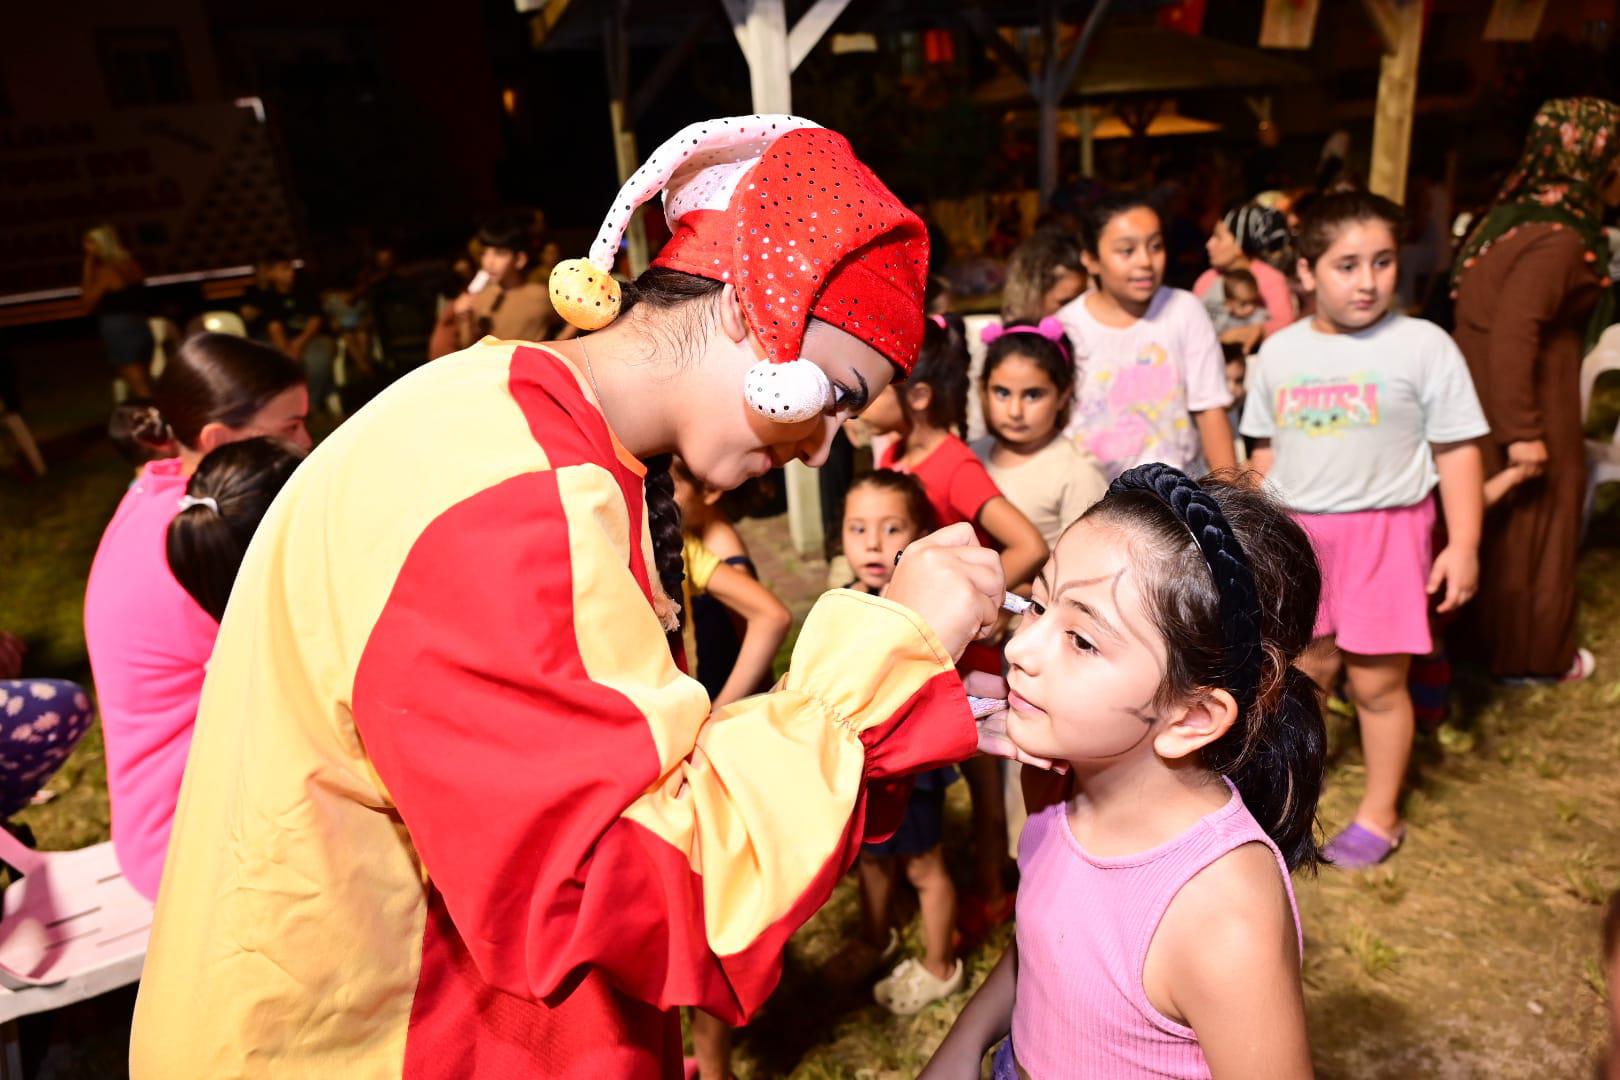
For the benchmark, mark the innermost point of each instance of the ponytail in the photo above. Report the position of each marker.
(225, 500)
(139, 432)
(1277, 760)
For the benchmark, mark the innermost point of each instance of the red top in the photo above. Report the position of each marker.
(956, 483)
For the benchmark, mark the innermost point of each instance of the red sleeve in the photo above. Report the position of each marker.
(1202, 285)
(971, 487)
(565, 788)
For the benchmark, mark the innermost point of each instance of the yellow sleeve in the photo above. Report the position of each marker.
(700, 564)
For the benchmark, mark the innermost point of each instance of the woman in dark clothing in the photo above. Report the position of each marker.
(1531, 296)
(114, 285)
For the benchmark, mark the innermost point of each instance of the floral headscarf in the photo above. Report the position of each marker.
(1572, 146)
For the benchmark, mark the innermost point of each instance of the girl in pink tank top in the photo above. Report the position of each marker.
(1157, 930)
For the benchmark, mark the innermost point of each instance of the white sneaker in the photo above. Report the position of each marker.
(911, 987)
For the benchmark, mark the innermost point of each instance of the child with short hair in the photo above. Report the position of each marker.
(1240, 303)
(1152, 385)
(1157, 663)
(884, 512)
(928, 412)
(1360, 412)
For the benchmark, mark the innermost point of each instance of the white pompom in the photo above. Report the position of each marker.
(787, 393)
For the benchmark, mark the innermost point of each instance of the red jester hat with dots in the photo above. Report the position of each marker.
(783, 210)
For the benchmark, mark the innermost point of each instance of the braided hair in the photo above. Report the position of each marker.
(670, 291)
(1236, 607)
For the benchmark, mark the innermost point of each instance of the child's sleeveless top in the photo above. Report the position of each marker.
(1084, 926)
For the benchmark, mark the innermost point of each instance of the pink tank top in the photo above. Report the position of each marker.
(1084, 927)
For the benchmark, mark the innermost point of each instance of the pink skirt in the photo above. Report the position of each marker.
(1375, 577)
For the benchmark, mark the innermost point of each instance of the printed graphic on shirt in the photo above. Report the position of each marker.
(1135, 408)
(1330, 406)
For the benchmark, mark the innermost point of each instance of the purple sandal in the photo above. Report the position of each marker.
(1357, 848)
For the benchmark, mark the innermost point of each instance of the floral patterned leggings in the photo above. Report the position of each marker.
(40, 722)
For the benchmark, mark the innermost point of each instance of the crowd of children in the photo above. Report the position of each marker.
(1217, 513)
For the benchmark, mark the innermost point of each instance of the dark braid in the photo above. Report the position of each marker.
(1244, 655)
(1236, 608)
(664, 522)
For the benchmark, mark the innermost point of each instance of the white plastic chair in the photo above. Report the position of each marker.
(71, 929)
(1602, 455)
(224, 322)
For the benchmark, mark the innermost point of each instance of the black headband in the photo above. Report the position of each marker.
(1243, 657)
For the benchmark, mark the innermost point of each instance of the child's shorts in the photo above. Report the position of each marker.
(923, 827)
(1375, 578)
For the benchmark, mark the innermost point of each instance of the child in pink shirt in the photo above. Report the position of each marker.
(1151, 379)
(148, 640)
(1157, 663)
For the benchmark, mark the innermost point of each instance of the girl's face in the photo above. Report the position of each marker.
(877, 524)
(282, 416)
(1069, 284)
(1129, 263)
(885, 416)
(1087, 662)
(687, 497)
(1224, 249)
(1021, 403)
(1354, 279)
(724, 442)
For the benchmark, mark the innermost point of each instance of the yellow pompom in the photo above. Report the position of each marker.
(583, 294)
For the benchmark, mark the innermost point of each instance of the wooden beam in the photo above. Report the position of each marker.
(1397, 94)
(667, 65)
(810, 29)
(762, 32)
(616, 45)
(1382, 14)
(544, 22)
(1057, 75)
(737, 12)
(1288, 24)
(1514, 20)
(977, 22)
(761, 29)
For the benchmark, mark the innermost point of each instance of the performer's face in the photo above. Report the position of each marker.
(725, 442)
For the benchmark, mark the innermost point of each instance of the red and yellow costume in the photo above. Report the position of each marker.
(451, 808)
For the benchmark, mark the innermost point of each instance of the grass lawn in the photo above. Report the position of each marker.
(1474, 952)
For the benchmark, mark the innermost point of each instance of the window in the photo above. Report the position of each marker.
(143, 66)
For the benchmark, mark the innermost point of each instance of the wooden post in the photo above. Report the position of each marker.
(1400, 25)
(1088, 141)
(762, 33)
(617, 43)
(1288, 24)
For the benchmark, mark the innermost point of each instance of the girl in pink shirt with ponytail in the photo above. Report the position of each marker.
(1157, 663)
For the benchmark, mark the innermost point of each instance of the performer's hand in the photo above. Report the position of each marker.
(953, 583)
(993, 738)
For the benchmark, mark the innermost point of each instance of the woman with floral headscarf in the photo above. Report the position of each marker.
(1532, 293)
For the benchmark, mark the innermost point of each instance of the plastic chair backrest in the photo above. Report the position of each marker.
(1605, 356)
(224, 322)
